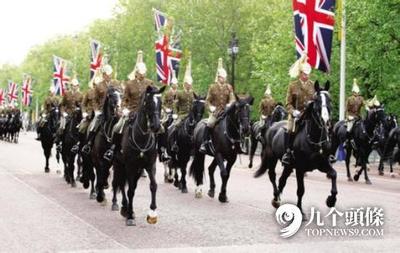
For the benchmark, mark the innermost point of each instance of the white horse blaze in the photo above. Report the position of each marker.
(324, 110)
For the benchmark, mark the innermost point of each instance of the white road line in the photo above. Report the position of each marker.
(68, 212)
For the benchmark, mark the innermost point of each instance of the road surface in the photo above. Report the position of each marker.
(40, 213)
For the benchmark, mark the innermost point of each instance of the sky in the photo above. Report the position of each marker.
(25, 23)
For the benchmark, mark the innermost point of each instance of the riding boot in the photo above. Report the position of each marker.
(116, 145)
(174, 147)
(88, 147)
(287, 158)
(206, 137)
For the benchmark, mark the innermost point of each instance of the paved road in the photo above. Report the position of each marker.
(41, 213)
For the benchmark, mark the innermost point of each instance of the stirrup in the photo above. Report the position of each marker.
(203, 148)
(108, 155)
(175, 148)
(59, 147)
(75, 149)
(86, 149)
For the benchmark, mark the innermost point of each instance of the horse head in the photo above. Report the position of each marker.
(320, 107)
(151, 106)
(112, 102)
(54, 117)
(241, 110)
(198, 106)
(279, 113)
(376, 115)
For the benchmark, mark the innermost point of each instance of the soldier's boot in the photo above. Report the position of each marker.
(174, 147)
(287, 158)
(109, 154)
(38, 131)
(88, 146)
(206, 137)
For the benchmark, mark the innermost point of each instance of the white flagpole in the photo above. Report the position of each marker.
(343, 64)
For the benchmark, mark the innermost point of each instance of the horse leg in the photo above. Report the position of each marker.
(300, 190)
(152, 215)
(183, 177)
(132, 179)
(115, 186)
(364, 167)
(381, 166)
(124, 202)
(79, 172)
(92, 185)
(211, 170)
(347, 160)
(282, 183)
(253, 148)
(225, 177)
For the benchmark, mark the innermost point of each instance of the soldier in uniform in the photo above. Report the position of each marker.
(71, 100)
(299, 93)
(100, 93)
(267, 106)
(353, 107)
(219, 96)
(135, 87)
(50, 102)
(183, 104)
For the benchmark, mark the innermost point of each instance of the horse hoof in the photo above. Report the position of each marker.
(276, 203)
(211, 193)
(85, 185)
(46, 170)
(392, 175)
(250, 165)
(176, 184)
(114, 207)
(331, 201)
(100, 198)
(152, 217)
(124, 212)
(198, 193)
(368, 181)
(223, 198)
(381, 173)
(349, 179)
(184, 190)
(73, 184)
(130, 222)
(92, 196)
(356, 177)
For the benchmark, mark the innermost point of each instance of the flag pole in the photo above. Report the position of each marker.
(342, 62)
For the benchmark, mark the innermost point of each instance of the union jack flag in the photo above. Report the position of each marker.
(60, 79)
(160, 20)
(2, 100)
(27, 92)
(167, 60)
(95, 58)
(313, 23)
(12, 92)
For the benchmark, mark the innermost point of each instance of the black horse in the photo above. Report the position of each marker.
(48, 132)
(361, 141)
(184, 141)
(162, 147)
(69, 138)
(385, 140)
(103, 141)
(311, 148)
(138, 152)
(257, 134)
(230, 127)
(14, 126)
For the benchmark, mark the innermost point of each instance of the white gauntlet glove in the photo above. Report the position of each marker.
(174, 116)
(84, 115)
(296, 113)
(65, 114)
(44, 115)
(168, 110)
(212, 108)
(125, 112)
(97, 113)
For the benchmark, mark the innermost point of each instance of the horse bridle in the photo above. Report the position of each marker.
(318, 120)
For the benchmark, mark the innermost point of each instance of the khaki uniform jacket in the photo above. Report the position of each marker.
(219, 95)
(354, 105)
(298, 95)
(183, 103)
(88, 102)
(100, 92)
(70, 101)
(133, 92)
(169, 98)
(267, 105)
(50, 102)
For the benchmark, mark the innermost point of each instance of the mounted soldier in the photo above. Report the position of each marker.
(354, 105)
(183, 104)
(71, 100)
(266, 108)
(100, 92)
(51, 101)
(220, 95)
(134, 89)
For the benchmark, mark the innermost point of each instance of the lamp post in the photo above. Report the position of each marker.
(233, 51)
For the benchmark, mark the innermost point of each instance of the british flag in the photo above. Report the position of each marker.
(2, 100)
(168, 52)
(313, 23)
(12, 93)
(96, 57)
(27, 91)
(60, 79)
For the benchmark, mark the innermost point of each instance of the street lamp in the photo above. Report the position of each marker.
(233, 51)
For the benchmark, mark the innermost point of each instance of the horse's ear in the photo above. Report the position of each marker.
(327, 85)
(316, 86)
(149, 89)
(250, 100)
(195, 96)
(236, 97)
(162, 89)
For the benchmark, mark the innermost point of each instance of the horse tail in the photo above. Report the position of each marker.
(197, 168)
(263, 167)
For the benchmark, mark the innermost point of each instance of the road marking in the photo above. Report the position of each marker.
(68, 212)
